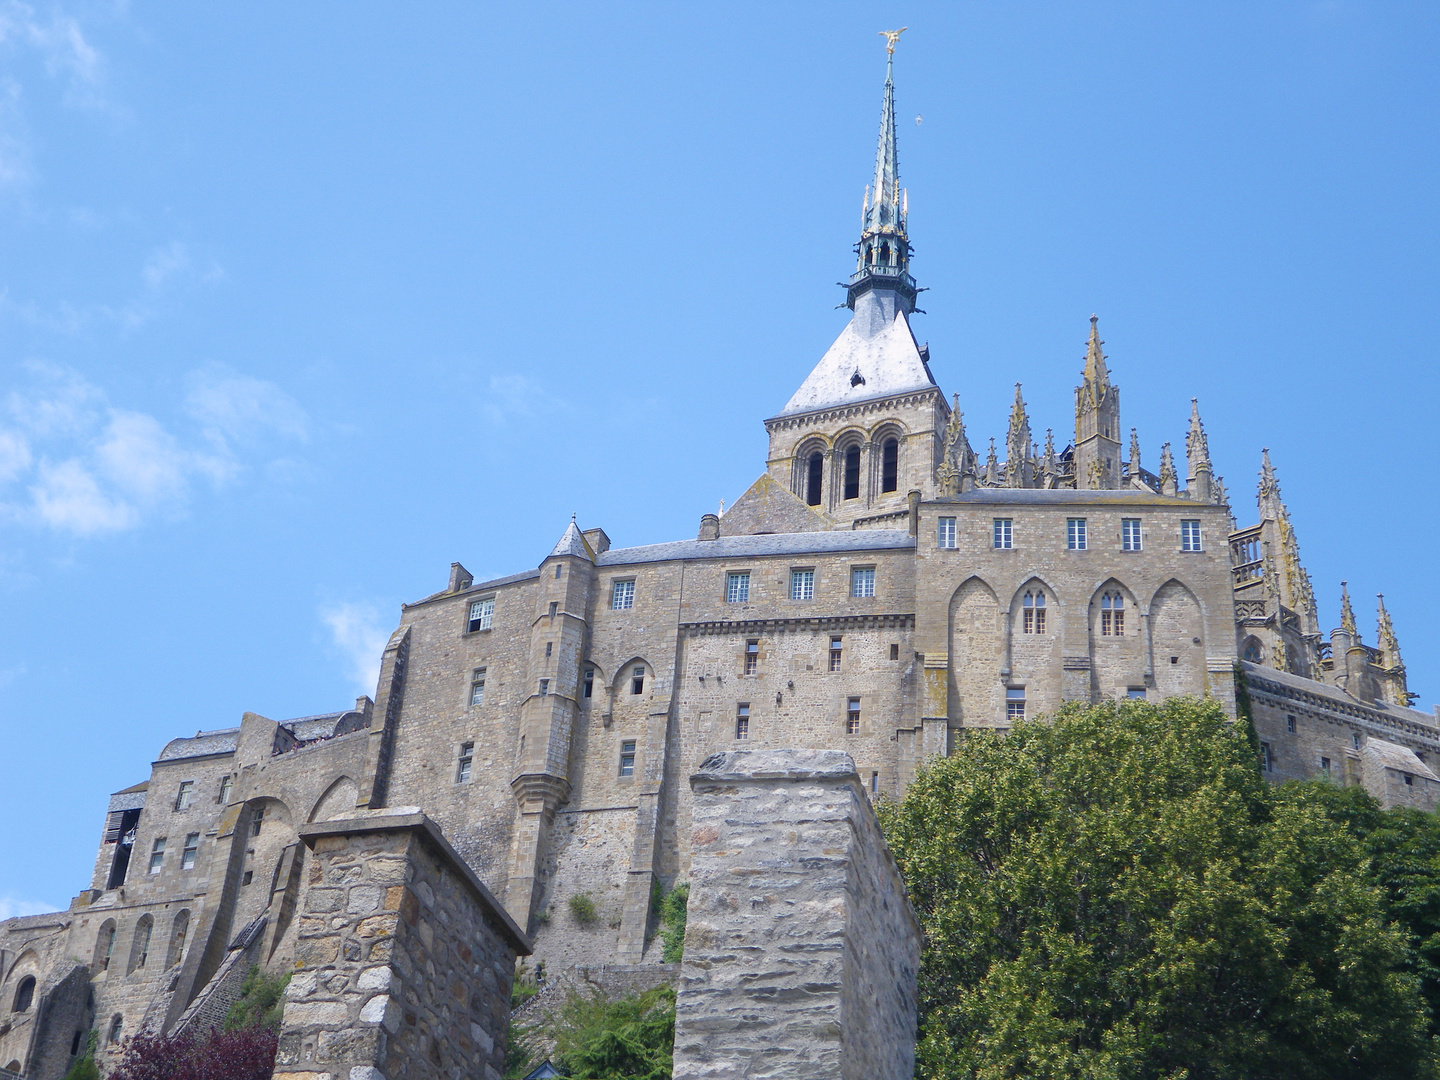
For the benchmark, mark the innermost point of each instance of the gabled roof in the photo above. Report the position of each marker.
(884, 356)
(572, 543)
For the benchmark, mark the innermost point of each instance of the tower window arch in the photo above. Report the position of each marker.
(814, 477)
(24, 994)
(852, 473)
(890, 464)
(1253, 653)
(884, 254)
(1112, 615)
(1033, 608)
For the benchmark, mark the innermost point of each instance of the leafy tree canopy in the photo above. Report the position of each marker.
(1115, 892)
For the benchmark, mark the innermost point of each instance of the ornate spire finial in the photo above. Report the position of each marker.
(1018, 469)
(1385, 638)
(1168, 483)
(1134, 465)
(1097, 378)
(892, 36)
(1347, 613)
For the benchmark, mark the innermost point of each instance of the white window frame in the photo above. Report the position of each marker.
(622, 595)
(185, 795)
(477, 687)
(481, 615)
(1002, 534)
(1077, 535)
(802, 584)
(627, 757)
(852, 716)
(862, 582)
(1014, 703)
(157, 855)
(1191, 538)
(737, 587)
(1131, 538)
(189, 852)
(465, 763)
(945, 533)
(742, 722)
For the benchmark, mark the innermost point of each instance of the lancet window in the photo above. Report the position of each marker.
(1112, 615)
(1033, 609)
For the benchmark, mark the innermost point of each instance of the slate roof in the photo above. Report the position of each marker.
(742, 547)
(204, 742)
(1391, 755)
(885, 356)
(313, 727)
(572, 543)
(1340, 697)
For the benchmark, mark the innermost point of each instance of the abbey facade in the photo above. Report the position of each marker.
(882, 588)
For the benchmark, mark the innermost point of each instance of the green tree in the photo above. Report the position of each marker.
(629, 1038)
(1116, 892)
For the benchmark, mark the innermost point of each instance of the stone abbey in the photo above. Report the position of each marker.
(881, 589)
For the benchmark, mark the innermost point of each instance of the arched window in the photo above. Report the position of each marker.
(814, 476)
(140, 947)
(852, 473)
(890, 465)
(177, 938)
(1253, 653)
(24, 993)
(884, 254)
(1034, 612)
(870, 256)
(1112, 615)
(116, 1023)
(105, 946)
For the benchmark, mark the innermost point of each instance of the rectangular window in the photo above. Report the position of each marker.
(589, 681)
(185, 794)
(257, 820)
(874, 783)
(622, 595)
(1265, 757)
(835, 643)
(248, 877)
(894, 652)
(1075, 537)
(1290, 724)
(1004, 533)
(627, 758)
(1014, 703)
(752, 656)
(187, 853)
(637, 679)
(742, 720)
(1409, 780)
(226, 783)
(737, 587)
(945, 533)
(157, 854)
(852, 716)
(467, 761)
(862, 581)
(482, 612)
(1325, 765)
(549, 648)
(554, 607)
(1355, 739)
(1129, 534)
(802, 584)
(477, 687)
(1189, 535)
(544, 687)
(1136, 693)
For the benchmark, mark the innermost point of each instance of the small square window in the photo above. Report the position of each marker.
(482, 613)
(184, 796)
(1409, 780)
(835, 649)
(477, 687)
(187, 853)
(157, 854)
(1136, 693)
(802, 584)
(737, 587)
(1190, 535)
(589, 681)
(1129, 534)
(742, 720)
(1014, 703)
(637, 679)
(467, 760)
(1003, 533)
(852, 716)
(894, 652)
(627, 758)
(1075, 534)
(945, 533)
(1290, 724)
(752, 656)
(862, 581)
(622, 595)
(248, 877)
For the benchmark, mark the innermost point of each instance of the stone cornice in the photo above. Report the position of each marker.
(860, 408)
(722, 628)
(1329, 708)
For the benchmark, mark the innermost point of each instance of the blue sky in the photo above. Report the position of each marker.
(300, 303)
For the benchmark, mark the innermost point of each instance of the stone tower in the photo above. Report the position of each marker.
(1097, 421)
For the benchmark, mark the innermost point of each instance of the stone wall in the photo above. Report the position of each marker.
(404, 960)
(801, 950)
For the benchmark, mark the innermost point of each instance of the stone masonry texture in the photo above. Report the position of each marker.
(801, 950)
(404, 961)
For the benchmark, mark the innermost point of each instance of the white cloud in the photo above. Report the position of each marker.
(91, 467)
(514, 397)
(12, 906)
(357, 632)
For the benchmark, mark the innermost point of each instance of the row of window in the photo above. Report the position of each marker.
(1077, 534)
(185, 793)
(187, 853)
(802, 584)
(850, 474)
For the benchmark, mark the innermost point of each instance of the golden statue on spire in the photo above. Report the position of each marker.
(892, 36)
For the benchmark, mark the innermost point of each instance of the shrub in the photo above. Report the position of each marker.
(582, 908)
(672, 916)
(247, 1054)
(261, 1002)
(85, 1067)
(626, 1039)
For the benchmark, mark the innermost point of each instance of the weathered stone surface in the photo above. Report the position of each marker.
(801, 951)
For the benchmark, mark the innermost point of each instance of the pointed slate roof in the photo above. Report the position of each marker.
(572, 543)
(886, 360)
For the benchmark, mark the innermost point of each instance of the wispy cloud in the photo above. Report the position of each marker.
(72, 461)
(11, 906)
(359, 635)
(515, 397)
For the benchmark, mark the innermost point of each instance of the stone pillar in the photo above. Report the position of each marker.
(404, 962)
(801, 952)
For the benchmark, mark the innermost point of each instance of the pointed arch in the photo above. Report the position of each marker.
(338, 801)
(1117, 642)
(1177, 635)
(179, 932)
(141, 943)
(24, 994)
(26, 963)
(623, 683)
(975, 694)
(1252, 651)
(1035, 586)
(104, 947)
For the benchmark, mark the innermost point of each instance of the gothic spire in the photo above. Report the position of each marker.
(1268, 493)
(1197, 456)
(1018, 472)
(1134, 473)
(884, 249)
(1096, 376)
(1097, 420)
(1347, 613)
(1168, 483)
(1389, 647)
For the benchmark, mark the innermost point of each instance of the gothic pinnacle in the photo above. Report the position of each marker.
(1168, 482)
(1347, 613)
(1134, 455)
(1385, 635)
